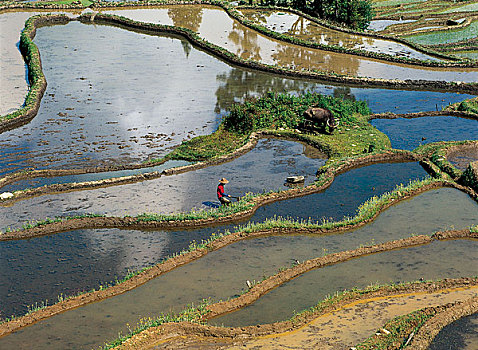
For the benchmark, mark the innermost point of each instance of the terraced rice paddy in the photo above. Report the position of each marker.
(302, 28)
(119, 96)
(445, 37)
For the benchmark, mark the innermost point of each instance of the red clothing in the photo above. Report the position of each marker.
(220, 191)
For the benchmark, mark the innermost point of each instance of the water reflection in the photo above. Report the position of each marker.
(220, 29)
(302, 28)
(262, 169)
(411, 133)
(221, 274)
(174, 92)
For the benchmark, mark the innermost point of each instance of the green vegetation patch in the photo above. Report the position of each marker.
(200, 148)
(399, 330)
(282, 115)
(446, 36)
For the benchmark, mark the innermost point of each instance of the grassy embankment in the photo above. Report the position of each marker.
(282, 115)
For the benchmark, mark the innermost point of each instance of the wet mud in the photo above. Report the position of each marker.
(461, 157)
(461, 334)
(340, 329)
(262, 169)
(86, 112)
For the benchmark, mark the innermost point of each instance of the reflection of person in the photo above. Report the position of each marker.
(220, 192)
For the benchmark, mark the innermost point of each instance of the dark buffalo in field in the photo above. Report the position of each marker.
(316, 117)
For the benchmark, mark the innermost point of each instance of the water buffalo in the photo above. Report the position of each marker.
(322, 117)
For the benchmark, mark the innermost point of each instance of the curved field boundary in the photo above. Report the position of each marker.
(249, 145)
(223, 307)
(432, 327)
(358, 52)
(38, 82)
(168, 332)
(229, 214)
(227, 56)
(76, 186)
(465, 23)
(454, 113)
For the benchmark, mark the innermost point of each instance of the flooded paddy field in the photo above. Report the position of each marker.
(119, 97)
(215, 25)
(91, 121)
(178, 193)
(459, 335)
(78, 260)
(445, 37)
(222, 273)
(433, 261)
(302, 28)
(95, 176)
(410, 133)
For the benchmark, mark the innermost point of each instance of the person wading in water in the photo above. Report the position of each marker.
(223, 197)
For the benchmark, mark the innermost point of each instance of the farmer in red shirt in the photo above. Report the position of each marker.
(220, 192)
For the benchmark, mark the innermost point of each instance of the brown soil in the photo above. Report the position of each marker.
(187, 335)
(223, 307)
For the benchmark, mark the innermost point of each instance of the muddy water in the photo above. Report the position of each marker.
(214, 25)
(459, 335)
(411, 133)
(450, 259)
(13, 80)
(91, 120)
(80, 260)
(302, 28)
(222, 273)
(461, 158)
(264, 168)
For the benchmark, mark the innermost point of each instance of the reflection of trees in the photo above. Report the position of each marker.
(344, 93)
(245, 41)
(186, 16)
(299, 23)
(298, 57)
(238, 84)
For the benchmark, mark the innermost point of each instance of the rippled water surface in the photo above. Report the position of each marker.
(264, 168)
(90, 120)
(86, 258)
(215, 25)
